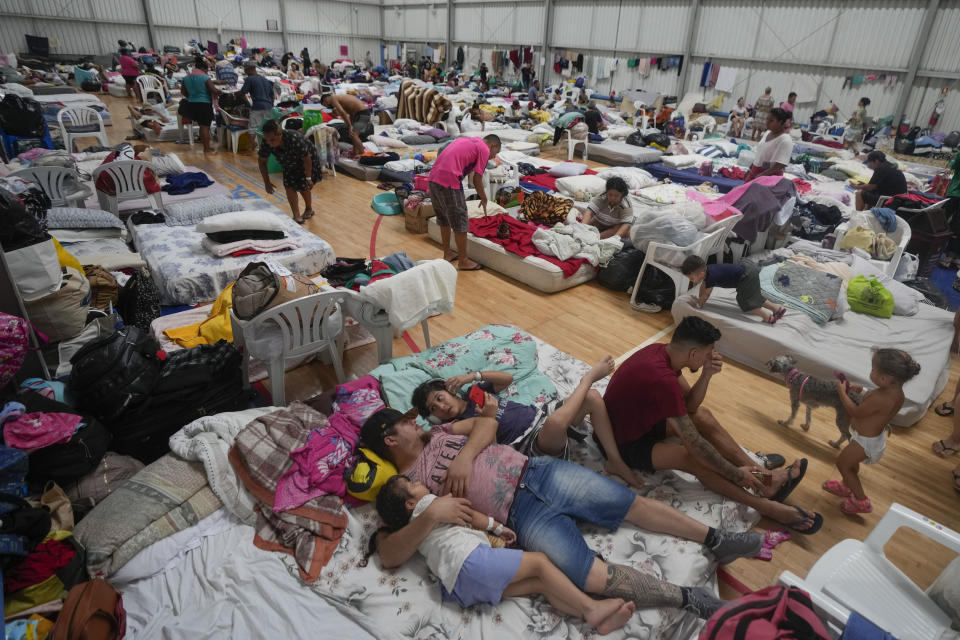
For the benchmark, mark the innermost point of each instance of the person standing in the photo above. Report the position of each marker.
(775, 148)
(763, 106)
(526, 76)
(368, 62)
(261, 93)
(854, 130)
(197, 105)
(533, 94)
(129, 70)
(788, 106)
(300, 162)
(483, 73)
(462, 156)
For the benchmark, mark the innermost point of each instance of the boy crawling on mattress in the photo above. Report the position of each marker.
(732, 276)
(472, 572)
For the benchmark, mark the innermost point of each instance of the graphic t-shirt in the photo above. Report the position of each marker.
(493, 482)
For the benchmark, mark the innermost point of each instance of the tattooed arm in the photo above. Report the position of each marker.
(704, 451)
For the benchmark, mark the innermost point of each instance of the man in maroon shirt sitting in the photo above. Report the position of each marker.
(648, 400)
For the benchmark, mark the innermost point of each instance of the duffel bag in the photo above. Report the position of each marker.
(113, 374)
(258, 289)
(61, 315)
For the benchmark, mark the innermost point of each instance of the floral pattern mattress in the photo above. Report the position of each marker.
(185, 273)
(405, 602)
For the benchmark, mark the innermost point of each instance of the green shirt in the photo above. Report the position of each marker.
(953, 189)
(566, 120)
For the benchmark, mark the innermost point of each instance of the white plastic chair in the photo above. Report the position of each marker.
(230, 123)
(572, 146)
(148, 85)
(856, 576)
(468, 189)
(54, 181)
(657, 254)
(80, 124)
(191, 127)
(128, 181)
(727, 224)
(303, 327)
(901, 236)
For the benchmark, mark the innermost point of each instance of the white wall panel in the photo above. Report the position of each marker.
(878, 34)
(128, 11)
(256, 14)
(368, 21)
(174, 13)
(796, 31)
(726, 29)
(572, 24)
(942, 52)
(924, 97)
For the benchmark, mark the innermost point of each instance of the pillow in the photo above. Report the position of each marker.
(369, 474)
(78, 218)
(581, 188)
(241, 221)
(728, 148)
(194, 211)
(418, 139)
(906, 300)
(439, 134)
(566, 169)
(387, 141)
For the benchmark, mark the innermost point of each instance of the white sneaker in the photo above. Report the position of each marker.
(647, 308)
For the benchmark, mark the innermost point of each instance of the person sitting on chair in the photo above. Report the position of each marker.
(887, 180)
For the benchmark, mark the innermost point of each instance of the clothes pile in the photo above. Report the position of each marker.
(244, 233)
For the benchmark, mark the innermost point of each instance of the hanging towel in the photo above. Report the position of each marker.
(643, 66)
(515, 58)
(705, 75)
(727, 79)
(415, 294)
(714, 74)
(527, 55)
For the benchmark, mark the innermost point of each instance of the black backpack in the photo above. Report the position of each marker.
(21, 117)
(91, 85)
(952, 139)
(636, 139)
(658, 138)
(621, 272)
(139, 302)
(115, 373)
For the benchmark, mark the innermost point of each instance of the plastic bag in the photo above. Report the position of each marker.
(867, 295)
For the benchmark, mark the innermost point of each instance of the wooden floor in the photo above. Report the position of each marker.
(589, 322)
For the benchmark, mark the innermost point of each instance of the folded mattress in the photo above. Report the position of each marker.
(531, 270)
(839, 345)
(616, 153)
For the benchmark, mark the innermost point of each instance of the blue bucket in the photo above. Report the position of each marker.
(386, 204)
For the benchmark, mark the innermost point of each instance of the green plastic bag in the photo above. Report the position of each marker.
(867, 295)
(312, 118)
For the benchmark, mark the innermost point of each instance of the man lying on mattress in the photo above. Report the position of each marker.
(538, 498)
(648, 400)
(531, 430)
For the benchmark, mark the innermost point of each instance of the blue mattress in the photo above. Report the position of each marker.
(691, 176)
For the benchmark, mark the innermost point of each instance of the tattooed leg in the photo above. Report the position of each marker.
(619, 581)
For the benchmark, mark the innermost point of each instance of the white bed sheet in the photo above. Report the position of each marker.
(839, 345)
(508, 135)
(185, 273)
(213, 583)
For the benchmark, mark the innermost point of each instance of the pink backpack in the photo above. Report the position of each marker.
(781, 613)
(14, 342)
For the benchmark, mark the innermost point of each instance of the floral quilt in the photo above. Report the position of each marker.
(186, 273)
(405, 602)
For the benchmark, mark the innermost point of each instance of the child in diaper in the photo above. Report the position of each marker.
(869, 423)
(472, 572)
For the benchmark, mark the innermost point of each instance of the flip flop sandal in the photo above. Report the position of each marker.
(944, 410)
(300, 221)
(779, 314)
(792, 481)
(947, 451)
(772, 538)
(771, 461)
(852, 506)
(817, 522)
(837, 488)
(476, 268)
(308, 214)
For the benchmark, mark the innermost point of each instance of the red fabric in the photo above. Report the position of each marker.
(734, 173)
(829, 143)
(48, 558)
(515, 58)
(105, 183)
(642, 392)
(802, 186)
(520, 241)
(245, 252)
(549, 181)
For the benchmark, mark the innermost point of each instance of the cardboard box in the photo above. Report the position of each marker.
(416, 220)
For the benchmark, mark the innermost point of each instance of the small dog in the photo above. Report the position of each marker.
(813, 392)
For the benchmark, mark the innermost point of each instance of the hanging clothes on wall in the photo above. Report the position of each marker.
(556, 63)
(643, 67)
(515, 58)
(527, 55)
(460, 57)
(578, 63)
(727, 79)
(705, 74)
(714, 73)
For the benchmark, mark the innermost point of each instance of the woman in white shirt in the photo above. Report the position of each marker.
(775, 148)
(738, 116)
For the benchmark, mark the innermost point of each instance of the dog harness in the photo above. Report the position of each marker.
(791, 376)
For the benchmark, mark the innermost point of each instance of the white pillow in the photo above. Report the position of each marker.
(241, 221)
(906, 301)
(566, 169)
(581, 188)
(386, 141)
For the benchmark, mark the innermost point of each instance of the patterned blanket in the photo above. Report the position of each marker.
(814, 292)
(423, 105)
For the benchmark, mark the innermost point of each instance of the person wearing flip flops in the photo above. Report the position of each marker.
(869, 423)
(648, 400)
(950, 445)
(300, 161)
(731, 276)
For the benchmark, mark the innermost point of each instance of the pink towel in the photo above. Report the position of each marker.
(33, 431)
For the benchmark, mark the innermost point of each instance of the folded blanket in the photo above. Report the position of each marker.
(577, 240)
(261, 456)
(222, 250)
(167, 496)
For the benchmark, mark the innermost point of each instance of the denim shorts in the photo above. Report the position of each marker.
(551, 494)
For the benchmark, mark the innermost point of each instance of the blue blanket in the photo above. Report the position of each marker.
(797, 287)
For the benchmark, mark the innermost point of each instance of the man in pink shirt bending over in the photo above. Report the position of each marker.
(460, 157)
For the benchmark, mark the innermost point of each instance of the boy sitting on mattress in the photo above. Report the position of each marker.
(732, 276)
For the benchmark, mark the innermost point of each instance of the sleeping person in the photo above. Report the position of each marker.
(472, 572)
(533, 430)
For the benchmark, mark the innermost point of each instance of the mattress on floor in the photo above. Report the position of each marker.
(131, 206)
(839, 345)
(506, 135)
(405, 602)
(52, 91)
(112, 254)
(618, 153)
(691, 176)
(359, 171)
(531, 270)
(185, 273)
(389, 175)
